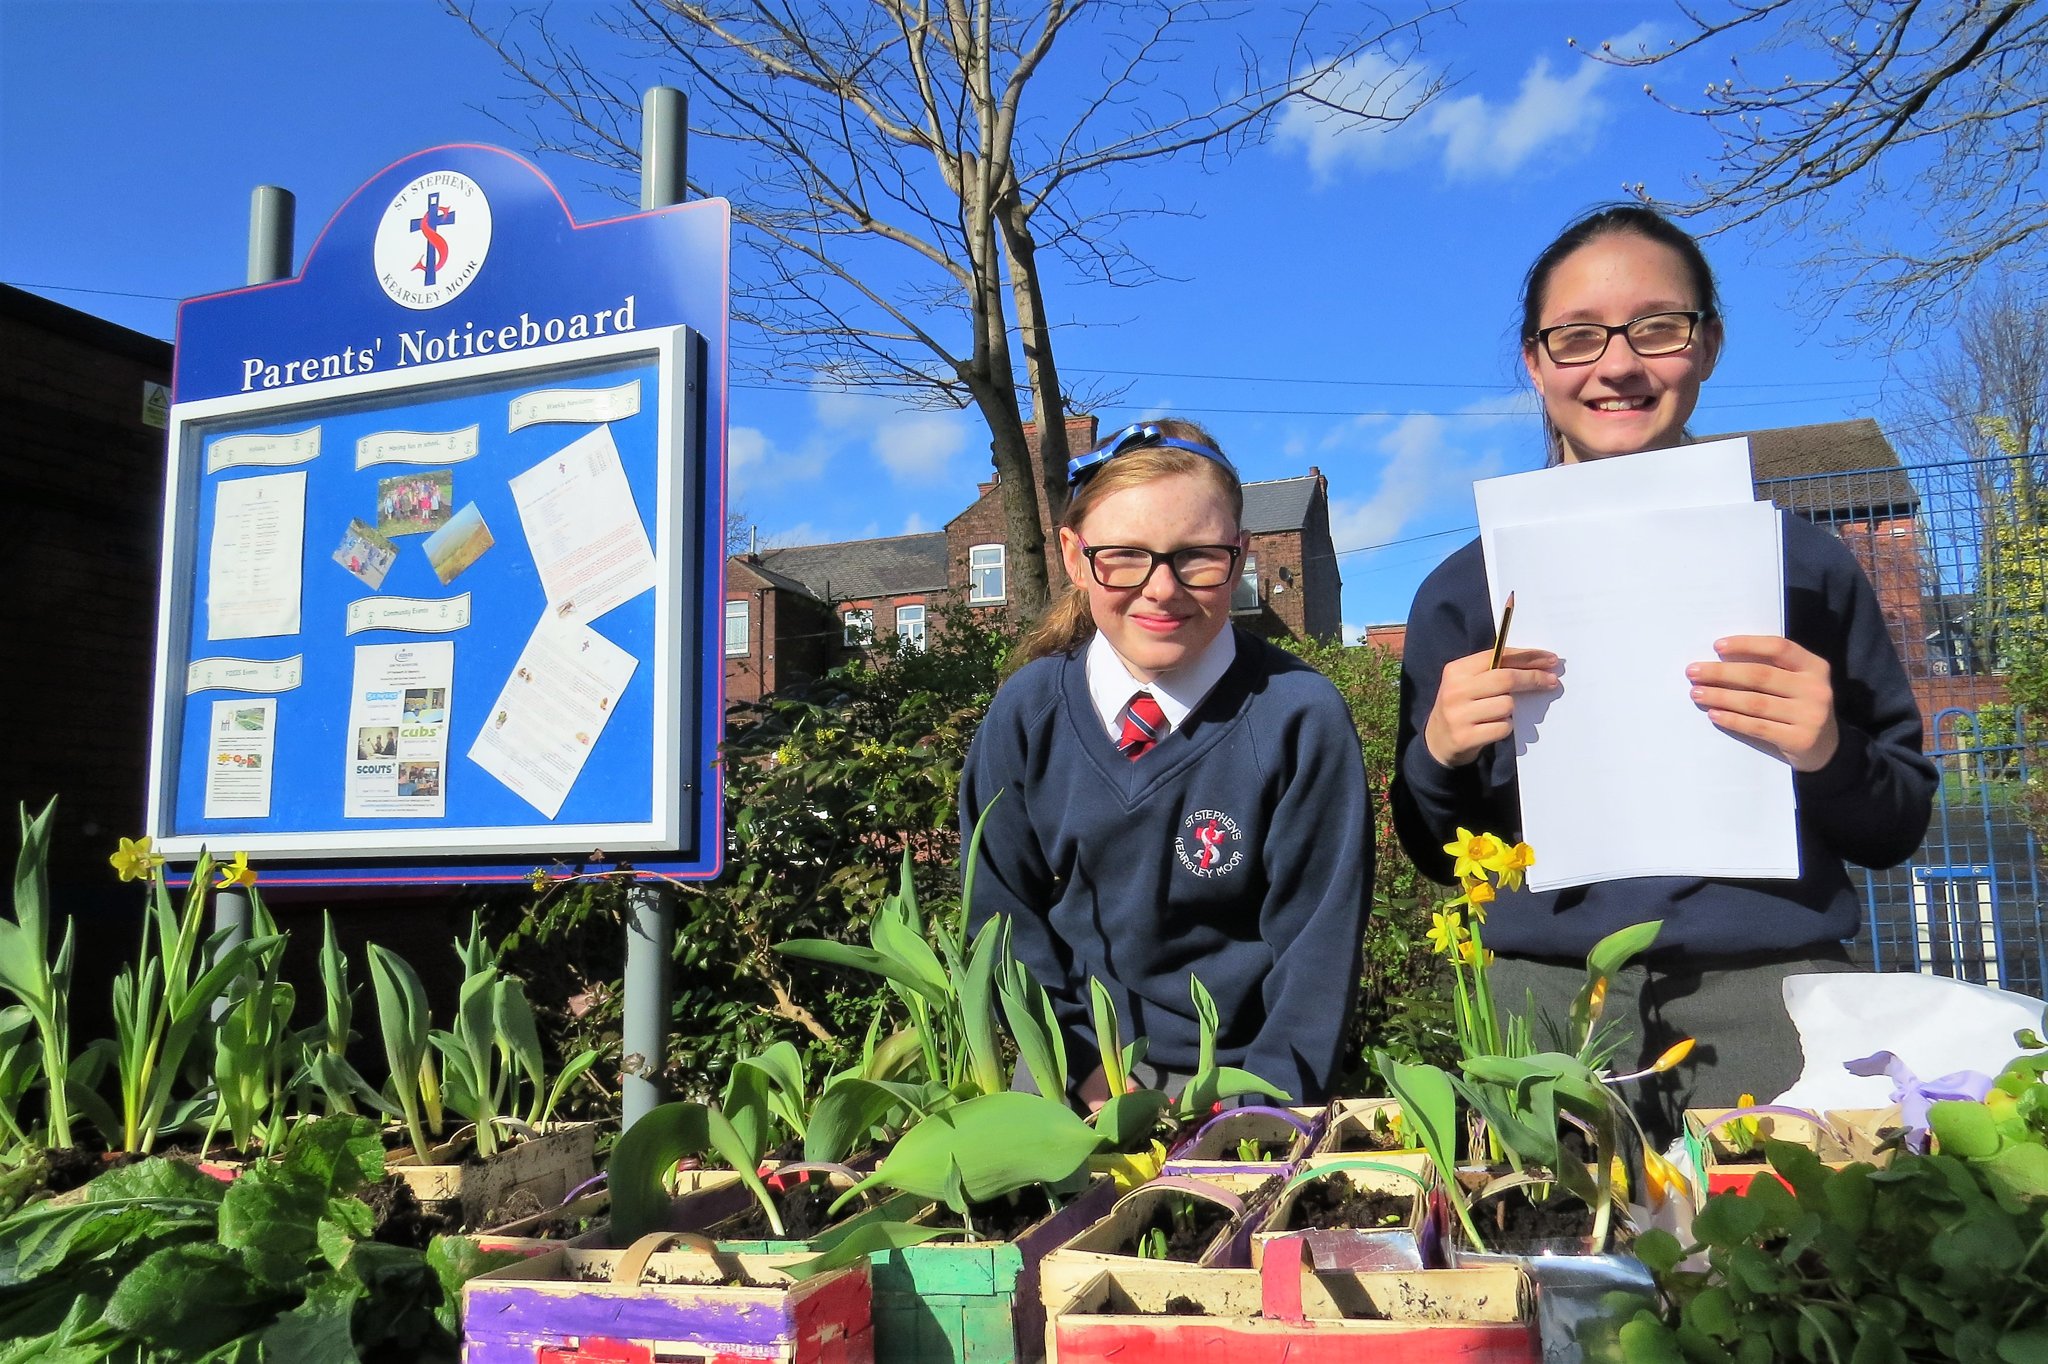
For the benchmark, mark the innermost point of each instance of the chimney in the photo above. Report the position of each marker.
(1322, 484)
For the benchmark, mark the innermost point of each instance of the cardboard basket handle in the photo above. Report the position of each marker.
(1283, 1275)
(632, 1265)
(1194, 1188)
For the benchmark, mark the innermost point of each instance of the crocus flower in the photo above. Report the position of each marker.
(1914, 1096)
(135, 861)
(237, 872)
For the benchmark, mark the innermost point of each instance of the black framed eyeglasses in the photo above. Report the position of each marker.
(1654, 334)
(1128, 566)
(1136, 436)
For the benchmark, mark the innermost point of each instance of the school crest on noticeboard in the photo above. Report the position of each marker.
(432, 240)
(1209, 844)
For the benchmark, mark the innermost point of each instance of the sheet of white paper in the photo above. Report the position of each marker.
(1621, 773)
(1713, 473)
(253, 570)
(240, 745)
(398, 731)
(588, 545)
(547, 718)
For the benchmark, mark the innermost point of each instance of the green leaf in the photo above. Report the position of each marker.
(1659, 1250)
(864, 1241)
(340, 1154)
(1614, 951)
(272, 1224)
(988, 1146)
(1126, 1121)
(650, 1148)
(1964, 1129)
(845, 1114)
(1108, 1034)
(189, 1299)
(455, 1260)
(318, 1330)
(978, 1005)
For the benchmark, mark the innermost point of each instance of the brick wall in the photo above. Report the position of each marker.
(983, 523)
(790, 637)
(1889, 553)
(82, 477)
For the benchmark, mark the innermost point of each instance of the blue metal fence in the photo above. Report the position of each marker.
(1969, 903)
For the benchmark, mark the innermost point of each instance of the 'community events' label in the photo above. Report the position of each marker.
(420, 615)
(575, 405)
(416, 447)
(243, 674)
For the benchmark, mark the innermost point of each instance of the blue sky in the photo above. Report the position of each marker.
(1338, 298)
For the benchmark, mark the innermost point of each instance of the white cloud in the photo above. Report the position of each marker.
(1426, 465)
(915, 524)
(754, 461)
(915, 447)
(1353, 634)
(1476, 137)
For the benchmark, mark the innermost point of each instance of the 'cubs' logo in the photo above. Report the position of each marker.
(432, 240)
(1209, 844)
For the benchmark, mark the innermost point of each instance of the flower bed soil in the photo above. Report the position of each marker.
(1333, 1204)
(1187, 1236)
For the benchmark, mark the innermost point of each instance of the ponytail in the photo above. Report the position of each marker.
(1064, 628)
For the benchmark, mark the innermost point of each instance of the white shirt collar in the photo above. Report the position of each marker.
(1111, 686)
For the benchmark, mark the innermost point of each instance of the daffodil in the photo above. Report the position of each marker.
(1512, 863)
(1473, 852)
(1445, 932)
(1478, 895)
(135, 861)
(237, 872)
(1472, 954)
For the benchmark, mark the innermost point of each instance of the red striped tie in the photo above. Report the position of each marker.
(1144, 722)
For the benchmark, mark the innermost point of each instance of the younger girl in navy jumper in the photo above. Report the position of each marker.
(1178, 797)
(1621, 325)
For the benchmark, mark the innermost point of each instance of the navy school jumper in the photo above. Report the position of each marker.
(1870, 804)
(1240, 850)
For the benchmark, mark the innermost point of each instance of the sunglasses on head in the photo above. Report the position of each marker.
(1136, 436)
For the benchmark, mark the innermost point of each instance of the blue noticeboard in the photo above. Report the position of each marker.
(443, 533)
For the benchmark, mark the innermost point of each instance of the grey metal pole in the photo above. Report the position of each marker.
(650, 906)
(650, 928)
(271, 211)
(664, 133)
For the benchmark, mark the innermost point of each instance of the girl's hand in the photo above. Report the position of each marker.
(1771, 690)
(1475, 705)
(1094, 1090)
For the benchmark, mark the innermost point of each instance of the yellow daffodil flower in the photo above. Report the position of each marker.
(1478, 896)
(1445, 933)
(1663, 1179)
(1472, 955)
(135, 861)
(1512, 863)
(1473, 852)
(237, 872)
(1673, 1054)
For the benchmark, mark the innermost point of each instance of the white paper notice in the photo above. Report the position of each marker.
(253, 569)
(544, 723)
(232, 452)
(416, 447)
(244, 674)
(583, 530)
(239, 748)
(398, 730)
(1621, 774)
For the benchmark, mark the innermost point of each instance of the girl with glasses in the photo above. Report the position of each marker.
(1168, 796)
(1621, 325)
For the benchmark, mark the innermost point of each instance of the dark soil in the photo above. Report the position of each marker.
(1178, 1306)
(1189, 1227)
(402, 1220)
(803, 1207)
(1514, 1217)
(1334, 1203)
(72, 1166)
(1359, 1138)
(594, 1273)
(1005, 1219)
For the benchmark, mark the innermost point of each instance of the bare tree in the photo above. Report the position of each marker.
(1902, 138)
(913, 179)
(1976, 426)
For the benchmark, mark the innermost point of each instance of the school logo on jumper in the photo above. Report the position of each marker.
(432, 240)
(1209, 844)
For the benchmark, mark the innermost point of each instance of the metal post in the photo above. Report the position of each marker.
(271, 214)
(271, 211)
(650, 928)
(664, 131)
(650, 906)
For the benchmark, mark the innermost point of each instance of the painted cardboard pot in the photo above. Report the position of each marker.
(1364, 1127)
(649, 1303)
(1287, 1313)
(1285, 1134)
(1316, 1200)
(1241, 1200)
(532, 1173)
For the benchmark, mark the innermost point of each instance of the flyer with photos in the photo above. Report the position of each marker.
(398, 731)
(539, 732)
(241, 741)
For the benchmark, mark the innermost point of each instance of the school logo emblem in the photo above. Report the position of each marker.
(1210, 844)
(432, 240)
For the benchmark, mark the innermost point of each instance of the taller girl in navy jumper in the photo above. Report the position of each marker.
(1177, 796)
(1621, 323)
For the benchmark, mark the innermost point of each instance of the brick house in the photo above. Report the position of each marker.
(1289, 585)
(82, 404)
(791, 614)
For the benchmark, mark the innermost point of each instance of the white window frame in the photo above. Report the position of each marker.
(742, 613)
(858, 627)
(982, 562)
(910, 626)
(1241, 603)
